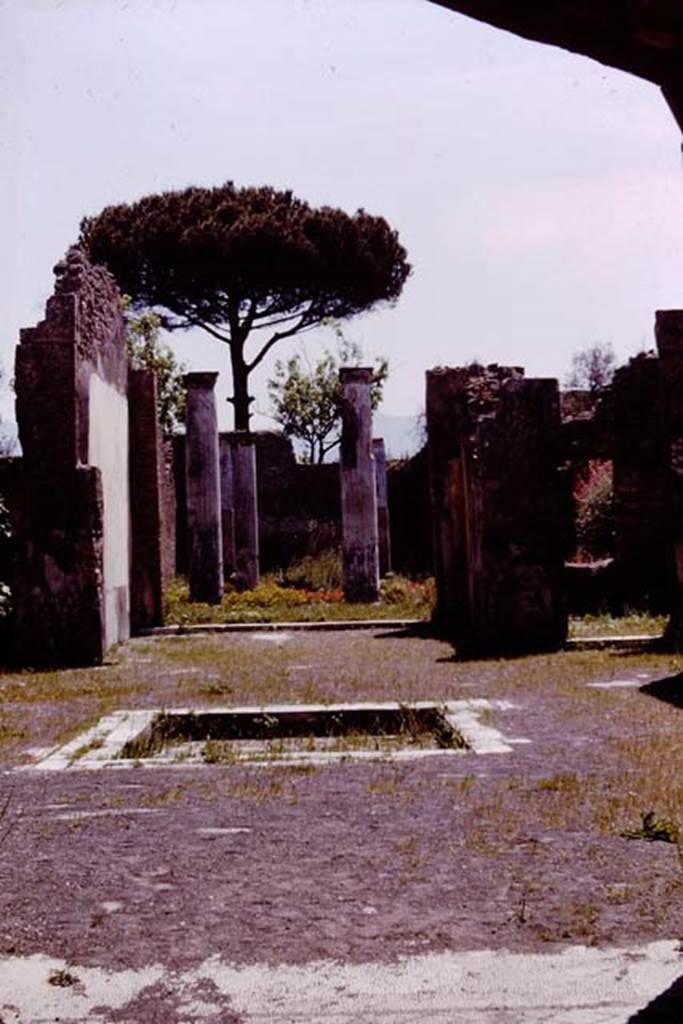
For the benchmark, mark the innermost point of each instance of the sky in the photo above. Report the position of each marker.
(539, 194)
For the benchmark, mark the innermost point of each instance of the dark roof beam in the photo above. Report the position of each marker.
(643, 37)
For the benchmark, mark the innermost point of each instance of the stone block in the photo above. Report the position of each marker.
(383, 525)
(247, 560)
(202, 482)
(360, 555)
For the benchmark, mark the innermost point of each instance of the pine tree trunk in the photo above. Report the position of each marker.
(240, 397)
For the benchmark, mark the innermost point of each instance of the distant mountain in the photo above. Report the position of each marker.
(402, 434)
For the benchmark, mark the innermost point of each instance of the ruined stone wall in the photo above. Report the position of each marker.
(669, 335)
(448, 423)
(71, 510)
(587, 430)
(409, 514)
(299, 505)
(624, 425)
(643, 567)
(497, 504)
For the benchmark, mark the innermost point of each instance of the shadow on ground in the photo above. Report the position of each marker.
(669, 690)
(430, 631)
(419, 631)
(665, 1009)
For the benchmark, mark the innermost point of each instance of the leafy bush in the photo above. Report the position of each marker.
(241, 605)
(307, 399)
(271, 601)
(322, 571)
(417, 594)
(147, 351)
(593, 497)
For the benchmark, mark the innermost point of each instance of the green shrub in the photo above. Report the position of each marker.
(272, 602)
(416, 595)
(268, 599)
(594, 502)
(322, 571)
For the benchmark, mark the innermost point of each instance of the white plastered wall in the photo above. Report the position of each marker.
(108, 450)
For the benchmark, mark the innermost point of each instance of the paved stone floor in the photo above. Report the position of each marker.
(480, 888)
(577, 986)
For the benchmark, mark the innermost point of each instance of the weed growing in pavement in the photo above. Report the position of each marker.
(653, 829)
(461, 785)
(259, 786)
(618, 893)
(410, 851)
(560, 784)
(117, 800)
(62, 978)
(584, 921)
(86, 748)
(165, 796)
(219, 752)
(217, 689)
(386, 782)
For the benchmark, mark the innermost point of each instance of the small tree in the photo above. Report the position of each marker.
(594, 504)
(307, 398)
(146, 351)
(592, 368)
(239, 261)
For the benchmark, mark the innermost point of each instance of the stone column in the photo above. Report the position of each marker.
(513, 502)
(642, 550)
(204, 540)
(383, 532)
(669, 334)
(243, 451)
(447, 422)
(146, 511)
(227, 506)
(359, 495)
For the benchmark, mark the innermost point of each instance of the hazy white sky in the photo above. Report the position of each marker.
(539, 195)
